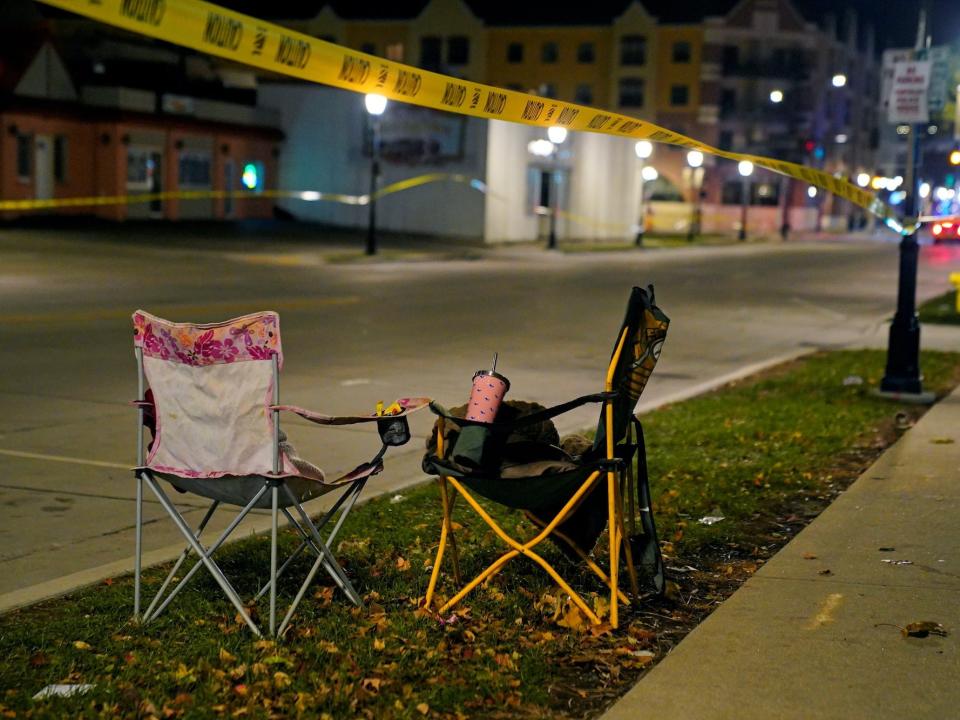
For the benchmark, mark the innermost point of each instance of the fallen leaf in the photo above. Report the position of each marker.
(81, 645)
(423, 708)
(923, 629)
(39, 659)
(942, 441)
(226, 657)
(240, 690)
(281, 679)
(809, 556)
(378, 644)
(826, 572)
(402, 564)
(371, 684)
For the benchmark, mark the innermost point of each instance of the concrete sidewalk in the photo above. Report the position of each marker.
(797, 642)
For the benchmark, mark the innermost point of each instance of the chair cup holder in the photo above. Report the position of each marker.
(394, 431)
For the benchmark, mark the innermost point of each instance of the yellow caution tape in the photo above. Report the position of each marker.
(217, 31)
(308, 195)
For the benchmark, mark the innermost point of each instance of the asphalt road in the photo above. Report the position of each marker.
(356, 333)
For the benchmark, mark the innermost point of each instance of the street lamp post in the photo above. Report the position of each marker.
(556, 135)
(643, 149)
(902, 373)
(695, 161)
(375, 105)
(745, 168)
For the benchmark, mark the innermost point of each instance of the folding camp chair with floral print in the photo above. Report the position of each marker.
(567, 497)
(209, 394)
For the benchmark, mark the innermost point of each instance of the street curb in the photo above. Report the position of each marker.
(73, 582)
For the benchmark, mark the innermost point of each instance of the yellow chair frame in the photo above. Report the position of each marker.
(615, 526)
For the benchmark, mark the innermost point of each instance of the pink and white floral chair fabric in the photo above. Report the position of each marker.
(209, 396)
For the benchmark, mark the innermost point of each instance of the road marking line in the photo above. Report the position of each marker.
(65, 459)
(236, 306)
(825, 616)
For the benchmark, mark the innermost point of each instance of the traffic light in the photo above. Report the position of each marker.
(955, 157)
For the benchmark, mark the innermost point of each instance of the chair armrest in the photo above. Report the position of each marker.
(523, 420)
(408, 406)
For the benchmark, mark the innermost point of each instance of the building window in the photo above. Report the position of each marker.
(431, 52)
(764, 193)
(728, 102)
(24, 157)
(586, 52)
(458, 50)
(584, 94)
(60, 158)
(631, 92)
(369, 48)
(549, 52)
(193, 170)
(395, 52)
(679, 95)
(548, 89)
(730, 58)
(515, 86)
(329, 38)
(140, 169)
(515, 52)
(682, 52)
(732, 193)
(633, 50)
(725, 142)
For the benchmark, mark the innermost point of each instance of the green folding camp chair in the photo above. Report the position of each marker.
(569, 501)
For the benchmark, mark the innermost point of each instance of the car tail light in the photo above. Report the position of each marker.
(937, 229)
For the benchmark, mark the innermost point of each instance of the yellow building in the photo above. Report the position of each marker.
(568, 63)
(627, 63)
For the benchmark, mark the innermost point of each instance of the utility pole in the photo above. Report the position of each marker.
(902, 375)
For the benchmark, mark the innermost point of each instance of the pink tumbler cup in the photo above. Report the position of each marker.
(489, 387)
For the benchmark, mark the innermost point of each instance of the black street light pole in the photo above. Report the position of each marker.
(554, 200)
(745, 198)
(902, 373)
(374, 177)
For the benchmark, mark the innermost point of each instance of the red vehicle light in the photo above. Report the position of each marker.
(937, 229)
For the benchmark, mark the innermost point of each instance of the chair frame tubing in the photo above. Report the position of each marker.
(615, 526)
(305, 527)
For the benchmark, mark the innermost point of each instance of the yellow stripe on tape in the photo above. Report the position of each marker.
(308, 195)
(217, 31)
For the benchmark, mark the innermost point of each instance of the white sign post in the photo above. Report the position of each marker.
(908, 94)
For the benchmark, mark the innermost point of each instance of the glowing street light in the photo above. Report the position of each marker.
(643, 149)
(375, 104)
(649, 173)
(811, 192)
(863, 179)
(557, 134)
(776, 96)
(839, 80)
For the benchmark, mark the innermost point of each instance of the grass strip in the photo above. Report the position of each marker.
(941, 309)
(767, 453)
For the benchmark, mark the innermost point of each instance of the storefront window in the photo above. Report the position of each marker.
(194, 170)
(24, 157)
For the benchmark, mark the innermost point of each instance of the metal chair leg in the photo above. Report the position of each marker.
(179, 562)
(273, 561)
(139, 548)
(205, 557)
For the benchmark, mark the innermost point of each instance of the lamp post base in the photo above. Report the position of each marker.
(902, 374)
